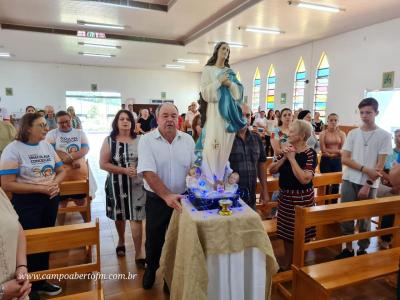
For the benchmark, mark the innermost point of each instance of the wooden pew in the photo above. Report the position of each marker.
(76, 187)
(320, 280)
(68, 237)
(320, 182)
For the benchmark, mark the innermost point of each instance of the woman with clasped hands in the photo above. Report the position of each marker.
(296, 166)
(125, 197)
(31, 170)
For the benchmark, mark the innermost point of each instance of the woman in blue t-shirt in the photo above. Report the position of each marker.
(31, 170)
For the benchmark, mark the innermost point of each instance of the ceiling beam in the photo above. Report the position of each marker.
(71, 32)
(133, 4)
(223, 15)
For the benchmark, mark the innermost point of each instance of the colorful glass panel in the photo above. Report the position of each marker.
(299, 85)
(321, 86)
(270, 93)
(255, 102)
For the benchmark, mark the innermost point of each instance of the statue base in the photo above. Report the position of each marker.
(212, 201)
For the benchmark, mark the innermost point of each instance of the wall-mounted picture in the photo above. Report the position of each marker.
(9, 91)
(388, 80)
(283, 98)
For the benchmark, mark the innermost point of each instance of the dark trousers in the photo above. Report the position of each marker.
(269, 151)
(36, 211)
(398, 285)
(387, 222)
(158, 215)
(330, 165)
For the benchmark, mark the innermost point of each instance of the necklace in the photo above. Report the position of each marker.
(367, 140)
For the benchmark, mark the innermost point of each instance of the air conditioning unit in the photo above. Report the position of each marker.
(155, 101)
(159, 101)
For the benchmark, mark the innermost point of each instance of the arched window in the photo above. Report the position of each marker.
(255, 102)
(321, 86)
(299, 84)
(238, 76)
(270, 94)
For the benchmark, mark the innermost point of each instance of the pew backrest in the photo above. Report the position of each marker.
(336, 213)
(66, 237)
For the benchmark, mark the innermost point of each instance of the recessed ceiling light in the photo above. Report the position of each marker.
(100, 25)
(187, 61)
(168, 66)
(231, 44)
(261, 30)
(96, 54)
(316, 6)
(5, 54)
(99, 45)
(200, 53)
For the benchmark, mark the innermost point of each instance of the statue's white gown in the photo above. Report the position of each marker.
(218, 142)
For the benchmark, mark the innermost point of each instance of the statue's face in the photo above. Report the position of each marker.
(223, 51)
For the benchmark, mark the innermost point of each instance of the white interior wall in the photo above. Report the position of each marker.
(357, 60)
(40, 84)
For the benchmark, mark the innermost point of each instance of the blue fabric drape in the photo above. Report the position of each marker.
(229, 108)
(230, 111)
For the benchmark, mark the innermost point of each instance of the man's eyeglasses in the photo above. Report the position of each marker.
(64, 122)
(247, 115)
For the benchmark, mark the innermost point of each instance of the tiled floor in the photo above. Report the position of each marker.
(131, 289)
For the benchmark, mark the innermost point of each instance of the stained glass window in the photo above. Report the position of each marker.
(321, 86)
(270, 94)
(255, 103)
(299, 85)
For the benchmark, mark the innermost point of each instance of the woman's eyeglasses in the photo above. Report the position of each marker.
(42, 125)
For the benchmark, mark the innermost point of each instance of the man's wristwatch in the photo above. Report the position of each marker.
(2, 291)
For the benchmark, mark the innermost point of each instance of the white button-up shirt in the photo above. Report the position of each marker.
(171, 162)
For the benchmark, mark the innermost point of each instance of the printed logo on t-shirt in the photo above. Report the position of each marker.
(72, 148)
(68, 140)
(37, 161)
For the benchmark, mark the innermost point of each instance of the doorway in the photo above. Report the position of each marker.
(95, 109)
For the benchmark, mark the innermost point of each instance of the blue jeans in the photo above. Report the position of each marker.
(350, 193)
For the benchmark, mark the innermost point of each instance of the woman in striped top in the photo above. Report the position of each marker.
(296, 167)
(125, 197)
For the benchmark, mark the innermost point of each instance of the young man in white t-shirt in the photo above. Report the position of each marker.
(364, 154)
(261, 122)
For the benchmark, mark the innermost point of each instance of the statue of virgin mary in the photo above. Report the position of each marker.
(224, 95)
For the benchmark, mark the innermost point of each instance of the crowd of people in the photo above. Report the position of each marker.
(147, 156)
